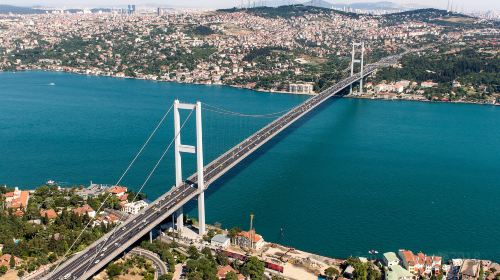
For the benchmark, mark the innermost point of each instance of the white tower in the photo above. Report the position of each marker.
(198, 150)
(360, 61)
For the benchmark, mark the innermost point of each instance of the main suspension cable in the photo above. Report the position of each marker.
(228, 112)
(113, 231)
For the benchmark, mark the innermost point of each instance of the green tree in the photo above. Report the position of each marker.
(193, 252)
(253, 268)
(231, 276)
(20, 273)
(233, 232)
(207, 252)
(12, 262)
(3, 270)
(331, 272)
(373, 273)
(167, 276)
(222, 258)
(114, 270)
(203, 267)
(360, 269)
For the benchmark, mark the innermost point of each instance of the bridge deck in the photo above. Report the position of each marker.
(86, 263)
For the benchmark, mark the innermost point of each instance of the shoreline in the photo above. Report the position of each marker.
(244, 88)
(158, 81)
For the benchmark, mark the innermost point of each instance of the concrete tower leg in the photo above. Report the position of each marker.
(362, 67)
(178, 162)
(179, 220)
(199, 163)
(352, 65)
(198, 149)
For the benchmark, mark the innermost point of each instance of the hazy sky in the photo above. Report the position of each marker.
(470, 5)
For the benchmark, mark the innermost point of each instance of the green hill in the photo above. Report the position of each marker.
(286, 11)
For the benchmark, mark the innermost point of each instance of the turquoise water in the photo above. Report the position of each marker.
(354, 175)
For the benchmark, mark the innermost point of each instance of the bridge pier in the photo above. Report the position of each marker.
(179, 219)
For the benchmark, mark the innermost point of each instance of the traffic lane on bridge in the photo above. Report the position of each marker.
(129, 233)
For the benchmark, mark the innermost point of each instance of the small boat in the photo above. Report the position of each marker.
(52, 84)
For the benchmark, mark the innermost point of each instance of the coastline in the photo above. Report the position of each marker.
(244, 88)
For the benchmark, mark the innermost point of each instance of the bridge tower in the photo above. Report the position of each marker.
(198, 150)
(360, 61)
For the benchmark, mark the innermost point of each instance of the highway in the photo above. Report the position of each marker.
(107, 248)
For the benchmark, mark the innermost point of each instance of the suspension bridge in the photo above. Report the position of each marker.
(88, 262)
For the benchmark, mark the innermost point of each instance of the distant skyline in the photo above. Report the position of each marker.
(466, 5)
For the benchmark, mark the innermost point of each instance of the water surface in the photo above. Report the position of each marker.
(354, 175)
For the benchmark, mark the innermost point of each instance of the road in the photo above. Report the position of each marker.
(161, 267)
(104, 250)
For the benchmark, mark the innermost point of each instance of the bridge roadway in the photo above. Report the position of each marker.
(86, 263)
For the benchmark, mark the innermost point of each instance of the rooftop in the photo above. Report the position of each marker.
(391, 257)
(220, 238)
(396, 272)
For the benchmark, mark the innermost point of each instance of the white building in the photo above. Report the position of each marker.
(390, 259)
(220, 241)
(305, 88)
(134, 207)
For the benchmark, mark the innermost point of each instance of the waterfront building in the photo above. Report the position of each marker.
(134, 207)
(428, 84)
(348, 272)
(397, 272)
(220, 241)
(420, 263)
(118, 191)
(303, 88)
(17, 199)
(92, 191)
(390, 259)
(470, 269)
(249, 239)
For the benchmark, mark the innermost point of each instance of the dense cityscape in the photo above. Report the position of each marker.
(444, 56)
(289, 49)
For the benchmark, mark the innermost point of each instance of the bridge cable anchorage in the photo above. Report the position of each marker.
(113, 231)
(228, 112)
(118, 182)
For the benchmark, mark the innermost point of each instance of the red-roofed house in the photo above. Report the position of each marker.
(420, 263)
(17, 199)
(50, 214)
(85, 209)
(5, 260)
(223, 270)
(117, 190)
(123, 197)
(112, 219)
(250, 239)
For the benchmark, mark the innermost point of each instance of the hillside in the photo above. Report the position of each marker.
(286, 11)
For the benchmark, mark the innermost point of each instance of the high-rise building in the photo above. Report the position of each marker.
(131, 9)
